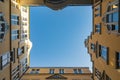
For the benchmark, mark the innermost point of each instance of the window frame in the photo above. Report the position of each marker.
(15, 20)
(4, 60)
(51, 71)
(104, 53)
(61, 71)
(15, 34)
(113, 20)
(98, 28)
(117, 60)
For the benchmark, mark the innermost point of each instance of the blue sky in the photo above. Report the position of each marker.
(58, 36)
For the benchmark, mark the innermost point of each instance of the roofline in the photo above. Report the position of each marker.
(58, 73)
(59, 67)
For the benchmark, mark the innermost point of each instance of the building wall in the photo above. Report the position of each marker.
(44, 72)
(104, 65)
(56, 5)
(14, 60)
(22, 44)
(4, 40)
(103, 43)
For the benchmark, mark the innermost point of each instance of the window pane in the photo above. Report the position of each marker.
(79, 70)
(116, 27)
(98, 28)
(118, 60)
(115, 17)
(4, 62)
(4, 57)
(15, 19)
(75, 71)
(109, 18)
(115, 6)
(104, 52)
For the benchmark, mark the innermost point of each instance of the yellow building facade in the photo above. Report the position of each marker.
(15, 44)
(103, 44)
(57, 73)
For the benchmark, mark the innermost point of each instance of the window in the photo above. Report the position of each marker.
(77, 71)
(51, 71)
(35, 71)
(24, 9)
(115, 17)
(3, 27)
(80, 71)
(115, 6)
(15, 34)
(98, 28)
(1, 0)
(24, 34)
(98, 11)
(113, 27)
(21, 50)
(1, 17)
(61, 71)
(112, 7)
(13, 55)
(1, 36)
(24, 23)
(14, 19)
(103, 52)
(118, 60)
(4, 60)
(92, 47)
(24, 19)
(32, 71)
(111, 17)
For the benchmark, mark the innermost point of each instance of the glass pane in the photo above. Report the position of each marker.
(116, 27)
(110, 18)
(115, 6)
(4, 62)
(104, 52)
(115, 17)
(4, 57)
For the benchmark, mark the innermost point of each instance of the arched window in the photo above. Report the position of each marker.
(111, 17)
